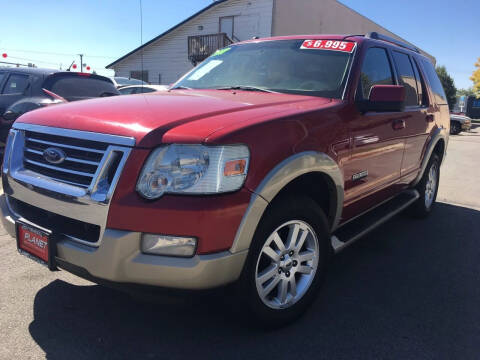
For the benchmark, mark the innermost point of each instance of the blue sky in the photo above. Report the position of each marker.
(53, 31)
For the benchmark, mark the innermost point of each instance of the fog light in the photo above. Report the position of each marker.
(169, 245)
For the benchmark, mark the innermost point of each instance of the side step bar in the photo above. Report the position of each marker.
(362, 225)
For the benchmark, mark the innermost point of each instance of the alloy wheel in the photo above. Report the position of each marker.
(287, 264)
(431, 185)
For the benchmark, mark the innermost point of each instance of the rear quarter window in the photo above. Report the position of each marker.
(79, 87)
(435, 84)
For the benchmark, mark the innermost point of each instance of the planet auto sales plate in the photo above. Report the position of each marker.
(35, 244)
(334, 45)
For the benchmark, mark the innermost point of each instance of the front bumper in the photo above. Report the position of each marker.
(118, 259)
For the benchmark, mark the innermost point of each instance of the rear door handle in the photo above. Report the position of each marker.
(398, 124)
(430, 118)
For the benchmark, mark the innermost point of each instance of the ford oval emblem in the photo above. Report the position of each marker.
(54, 155)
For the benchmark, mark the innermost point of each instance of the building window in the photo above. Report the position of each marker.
(139, 75)
(160, 79)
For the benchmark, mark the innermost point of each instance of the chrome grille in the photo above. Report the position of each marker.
(81, 163)
(76, 191)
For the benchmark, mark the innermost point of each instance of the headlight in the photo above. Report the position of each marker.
(193, 169)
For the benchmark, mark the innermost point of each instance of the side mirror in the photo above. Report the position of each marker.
(11, 115)
(384, 98)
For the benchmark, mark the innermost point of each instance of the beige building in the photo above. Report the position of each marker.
(176, 51)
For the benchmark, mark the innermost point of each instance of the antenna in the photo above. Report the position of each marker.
(141, 40)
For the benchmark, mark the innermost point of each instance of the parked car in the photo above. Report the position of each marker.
(123, 81)
(255, 168)
(459, 123)
(23, 90)
(141, 89)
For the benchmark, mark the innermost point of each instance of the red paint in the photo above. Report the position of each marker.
(4, 55)
(178, 116)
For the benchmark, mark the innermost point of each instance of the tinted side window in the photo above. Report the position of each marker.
(145, 90)
(16, 84)
(2, 76)
(422, 92)
(376, 70)
(78, 87)
(127, 91)
(407, 77)
(435, 84)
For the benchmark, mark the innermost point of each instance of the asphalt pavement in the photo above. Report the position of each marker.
(409, 290)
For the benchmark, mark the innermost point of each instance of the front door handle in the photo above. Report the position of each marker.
(398, 124)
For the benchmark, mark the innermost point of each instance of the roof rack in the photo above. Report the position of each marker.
(377, 36)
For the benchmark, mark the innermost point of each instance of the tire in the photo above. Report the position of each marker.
(455, 128)
(267, 285)
(427, 188)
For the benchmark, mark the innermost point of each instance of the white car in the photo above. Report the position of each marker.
(141, 89)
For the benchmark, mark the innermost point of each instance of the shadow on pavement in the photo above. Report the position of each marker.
(408, 290)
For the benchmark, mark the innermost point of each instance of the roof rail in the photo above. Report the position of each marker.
(352, 35)
(377, 36)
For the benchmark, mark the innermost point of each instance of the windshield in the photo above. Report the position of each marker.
(283, 66)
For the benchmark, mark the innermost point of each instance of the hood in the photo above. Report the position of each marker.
(460, 118)
(148, 117)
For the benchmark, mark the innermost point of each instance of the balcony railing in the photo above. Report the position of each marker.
(202, 46)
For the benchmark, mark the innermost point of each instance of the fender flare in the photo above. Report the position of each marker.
(437, 135)
(280, 176)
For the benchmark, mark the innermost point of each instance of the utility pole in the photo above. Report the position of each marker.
(81, 62)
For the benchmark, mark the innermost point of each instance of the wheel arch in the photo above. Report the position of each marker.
(438, 145)
(296, 173)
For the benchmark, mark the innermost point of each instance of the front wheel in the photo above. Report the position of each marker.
(286, 262)
(427, 188)
(455, 128)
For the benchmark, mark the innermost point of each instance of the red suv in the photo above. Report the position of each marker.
(254, 168)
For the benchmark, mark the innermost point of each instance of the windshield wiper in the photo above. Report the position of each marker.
(246, 88)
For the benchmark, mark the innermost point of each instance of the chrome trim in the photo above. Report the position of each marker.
(66, 146)
(66, 159)
(80, 134)
(56, 168)
(280, 176)
(87, 203)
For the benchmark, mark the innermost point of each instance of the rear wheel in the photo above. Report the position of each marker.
(427, 188)
(286, 262)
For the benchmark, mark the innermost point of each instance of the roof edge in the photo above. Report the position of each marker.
(215, 3)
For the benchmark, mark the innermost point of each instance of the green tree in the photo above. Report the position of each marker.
(476, 78)
(448, 85)
(465, 92)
